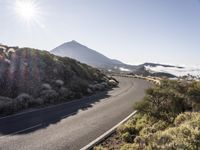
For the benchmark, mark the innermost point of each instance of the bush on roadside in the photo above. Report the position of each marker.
(129, 147)
(6, 107)
(64, 94)
(36, 102)
(183, 133)
(100, 148)
(22, 101)
(165, 101)
(49, 96)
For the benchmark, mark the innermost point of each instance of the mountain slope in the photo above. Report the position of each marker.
(86, 55)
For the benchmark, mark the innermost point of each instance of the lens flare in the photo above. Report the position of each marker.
(28, 11)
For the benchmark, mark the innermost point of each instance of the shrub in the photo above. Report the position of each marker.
(182, 118)
(22, 101)
(130, 147)
(64, 93)
(59, 83)
(7, 108)
(164, 102)
(36, 102)
(46, 86)
(100, 148)
(49, 96)
(184, 135)
(127, 127)
(127, 137)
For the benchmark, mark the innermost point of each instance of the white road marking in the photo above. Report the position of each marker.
(21, 130)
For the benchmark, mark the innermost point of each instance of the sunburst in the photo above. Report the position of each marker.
(28, 11)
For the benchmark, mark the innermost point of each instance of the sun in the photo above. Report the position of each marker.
(26, 9)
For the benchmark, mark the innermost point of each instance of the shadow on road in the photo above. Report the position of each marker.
(42, 118)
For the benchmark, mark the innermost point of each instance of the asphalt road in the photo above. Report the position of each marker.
(72, 125)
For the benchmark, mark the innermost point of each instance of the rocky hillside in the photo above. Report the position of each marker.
(30, 77)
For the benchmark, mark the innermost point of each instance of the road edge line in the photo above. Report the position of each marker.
(20, 131)
(106, 134)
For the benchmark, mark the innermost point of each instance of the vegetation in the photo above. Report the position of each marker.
(168, 118)
(30, 78)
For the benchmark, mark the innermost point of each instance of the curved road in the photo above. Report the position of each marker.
(72, 125)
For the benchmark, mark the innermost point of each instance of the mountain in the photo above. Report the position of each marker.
(89, 56)
(93, 58)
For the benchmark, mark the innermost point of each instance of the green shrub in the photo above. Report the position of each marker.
(184, 135)
(46, 86)
(165, 101)
(49, 96)
(130, 147)
(182, 118)
(7, 108)
(22, 101)
(127, 127)
(127, 137)
(36, 102)
(100, 148)
(64, 94)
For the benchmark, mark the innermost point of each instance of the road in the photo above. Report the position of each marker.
(72, 125)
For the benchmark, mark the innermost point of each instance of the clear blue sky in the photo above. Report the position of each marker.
(133, 31)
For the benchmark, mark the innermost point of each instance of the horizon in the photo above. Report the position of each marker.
(157, 32)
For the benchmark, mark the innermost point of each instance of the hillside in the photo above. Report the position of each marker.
(33, 77)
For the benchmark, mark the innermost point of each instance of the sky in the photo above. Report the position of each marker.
(133, 31)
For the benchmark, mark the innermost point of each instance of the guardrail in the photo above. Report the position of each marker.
(106, 134)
